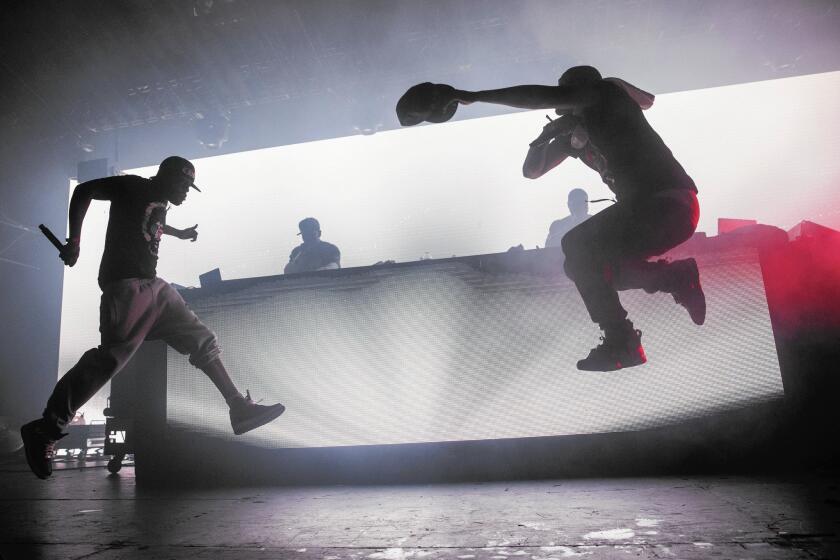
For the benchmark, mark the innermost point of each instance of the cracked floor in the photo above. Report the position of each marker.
(85, 513)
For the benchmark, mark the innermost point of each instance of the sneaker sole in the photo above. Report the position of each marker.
(252, 423)
(619, 365)
(640, 359)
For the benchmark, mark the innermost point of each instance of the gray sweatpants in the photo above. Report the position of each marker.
(131, 311)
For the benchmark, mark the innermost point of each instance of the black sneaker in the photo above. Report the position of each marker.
(39, 447)
(246, 415)
(616, 351)
(689, 292)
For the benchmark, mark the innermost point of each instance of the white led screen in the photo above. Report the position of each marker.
(444, 352)
(758, 150)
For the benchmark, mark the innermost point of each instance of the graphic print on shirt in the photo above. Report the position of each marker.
(154, 218)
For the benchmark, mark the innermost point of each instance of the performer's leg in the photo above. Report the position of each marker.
(591, 251)
(664, 223)
(126, 315)
(183, 330)
(608, 252)
(679, 278)
(76, 387)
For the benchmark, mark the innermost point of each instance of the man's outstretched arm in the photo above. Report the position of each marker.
(188, 233)
(565, 98)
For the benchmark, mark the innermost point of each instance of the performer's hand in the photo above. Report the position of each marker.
(561, 126)
(463, 97)
(70, 252)
(564, 124)
(190, 233)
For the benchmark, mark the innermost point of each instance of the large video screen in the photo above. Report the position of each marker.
(758, 150)
(447, 352)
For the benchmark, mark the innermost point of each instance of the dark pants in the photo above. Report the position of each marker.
(609, 251)
(131, 311)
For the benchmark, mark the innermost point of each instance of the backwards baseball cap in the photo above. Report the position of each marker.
(309, 224)
(580, 76)
(176, 165)
(585, 75)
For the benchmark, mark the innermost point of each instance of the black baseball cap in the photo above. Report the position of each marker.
(425, 102)
(178, 165)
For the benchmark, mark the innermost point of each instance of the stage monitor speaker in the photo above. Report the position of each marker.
(728, 225)
(210, 278)
(814, 231)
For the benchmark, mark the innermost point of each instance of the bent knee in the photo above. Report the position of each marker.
(207, 351)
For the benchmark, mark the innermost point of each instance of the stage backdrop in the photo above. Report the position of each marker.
(447, 352)
(759, 150)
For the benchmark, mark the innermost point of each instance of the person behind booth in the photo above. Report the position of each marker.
(578, 202)
(313, 254)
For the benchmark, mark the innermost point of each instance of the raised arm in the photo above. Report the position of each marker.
(564, 98)
(542, 158)
(550, 148)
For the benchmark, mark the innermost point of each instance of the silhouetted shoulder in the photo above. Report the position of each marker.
(330, 249)
(559, 225)
(119, 187)
(123, 182)
(134, 185)
(609, 91)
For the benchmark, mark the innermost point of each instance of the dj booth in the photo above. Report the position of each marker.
(450, 369)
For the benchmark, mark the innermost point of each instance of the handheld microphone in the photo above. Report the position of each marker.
(52, 238)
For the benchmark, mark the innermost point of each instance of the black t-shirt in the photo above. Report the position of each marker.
(307, 257)
(624, 149)
(135, 226)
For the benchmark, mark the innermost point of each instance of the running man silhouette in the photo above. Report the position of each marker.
(601, 123)
(136, 305)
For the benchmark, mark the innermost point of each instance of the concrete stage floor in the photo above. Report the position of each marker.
(87, 513)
